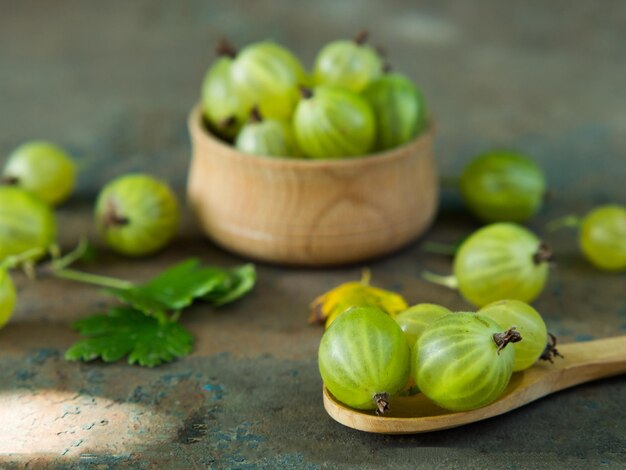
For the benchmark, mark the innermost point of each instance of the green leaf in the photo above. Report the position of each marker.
(240, 281)
(173, 289)
(178, 286)
(127, 332)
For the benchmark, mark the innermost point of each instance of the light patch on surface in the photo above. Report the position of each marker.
(68, 423)
(413, 26)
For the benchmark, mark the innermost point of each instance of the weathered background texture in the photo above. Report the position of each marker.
(113, 82)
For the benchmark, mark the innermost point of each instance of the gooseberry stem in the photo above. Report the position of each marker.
(111, 217)
(451, 282)
(255, 115)
(72, 256)
(361, 37)
(544, 254)
(550, 352)
(59, 267)
(306, 92)
(88, 278)
(568, 221)
(509, 336)
(9, 180)
(382, 403)
(225, 49)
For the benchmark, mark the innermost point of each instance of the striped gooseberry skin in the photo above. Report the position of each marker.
(267, 75)
(7, 297)
(603, 237)
(500, 261)
(399, 109)
(363, 354)
(347, 64)
(414, 321)
(270, 138)
(137, 214)
(223, 109)
(527, 322)
(457, 362)
(26, 222)
(333, 123)
(44, 169)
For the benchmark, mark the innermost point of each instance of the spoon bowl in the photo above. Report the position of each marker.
(581, 362)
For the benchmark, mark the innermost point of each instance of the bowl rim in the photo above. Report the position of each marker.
(199, 131)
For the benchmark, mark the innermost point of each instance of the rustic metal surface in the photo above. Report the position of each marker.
(113, 82)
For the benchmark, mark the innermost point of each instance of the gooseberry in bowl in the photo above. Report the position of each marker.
(352, 65)
(267, 137)
(26, 223)
(224, 110)
(42, 168)
(137, 214)
(399, 109)
(344, 201)
(267, 75)
(330, 122)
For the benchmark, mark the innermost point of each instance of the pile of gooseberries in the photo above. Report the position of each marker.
(461, 361)
(263, 101)
(135, 214)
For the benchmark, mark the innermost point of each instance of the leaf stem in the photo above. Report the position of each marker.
(88, 278)
(72, 256)
(451, 282)
(174, 317)
(366, 276)
(568, 221)
(11, 262)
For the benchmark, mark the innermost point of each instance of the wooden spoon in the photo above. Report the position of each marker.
(582, 362)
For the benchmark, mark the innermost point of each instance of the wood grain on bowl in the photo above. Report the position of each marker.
(311, 212)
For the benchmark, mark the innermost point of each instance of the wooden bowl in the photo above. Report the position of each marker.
(311, 212)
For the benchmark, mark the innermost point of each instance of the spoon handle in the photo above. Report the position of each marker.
(590, 360)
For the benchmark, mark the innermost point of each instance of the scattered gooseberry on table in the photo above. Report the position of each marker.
(503, 186)
(499, 261)
(137, 214)
(42, 168)
(602, 237)
(26, 223)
